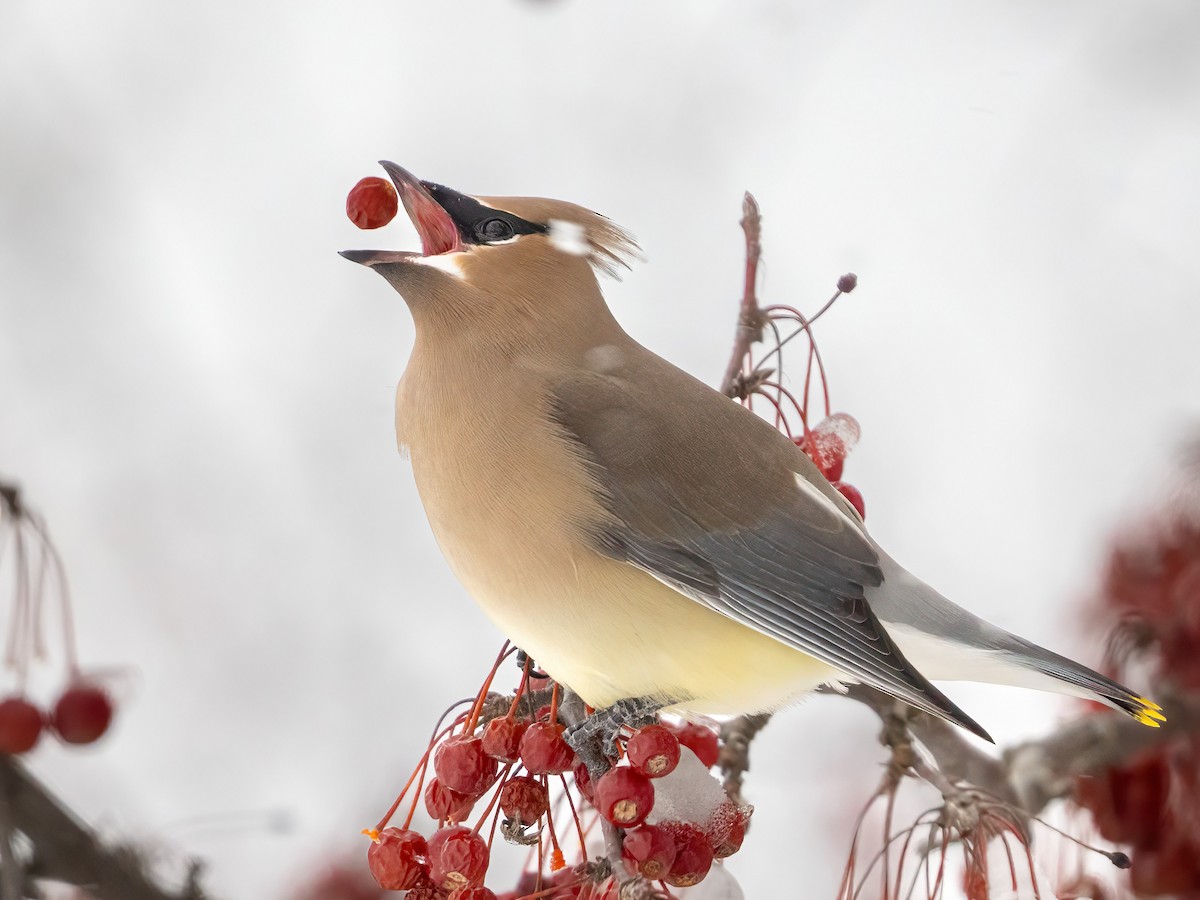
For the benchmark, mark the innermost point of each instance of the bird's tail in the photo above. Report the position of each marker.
(1082, 681)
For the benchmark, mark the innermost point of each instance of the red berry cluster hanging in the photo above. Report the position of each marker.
(1152, 802)
(504, 770)
(83, 710)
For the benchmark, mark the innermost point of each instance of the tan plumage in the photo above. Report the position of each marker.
(633, 530)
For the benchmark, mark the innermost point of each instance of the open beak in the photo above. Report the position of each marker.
(438, 232)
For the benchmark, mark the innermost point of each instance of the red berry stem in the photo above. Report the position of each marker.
(521, 688)
(506, 650)
(574, 816)
(556, 856)
(422, 764)
(776, 386)
(554, 704)
(492, 804)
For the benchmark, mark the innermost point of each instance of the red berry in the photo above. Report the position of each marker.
(502, 739)
(544, 751)
(398, 859)
(854, 495)
(458, 857)
(649, 851)
(462, 765)
(425, 890)
(653, 750)
(693, 854)
(524, 799)
(479, 892)
(21, 725)
(444, 804)
(82, 714)
(624, 796)
(726, 829)
(583, 781)
(372, 203)
(701, 740)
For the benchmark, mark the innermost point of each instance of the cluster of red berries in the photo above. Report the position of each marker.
(84, 710)
(515, 762)
(81, 715)
(827, 446)
(1152, 802)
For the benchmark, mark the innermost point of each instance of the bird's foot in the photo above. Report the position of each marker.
(594, 739)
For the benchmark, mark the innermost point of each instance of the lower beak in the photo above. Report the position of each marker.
(438, 232)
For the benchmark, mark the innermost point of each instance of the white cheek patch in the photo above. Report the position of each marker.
(450, 263)
(568, 237)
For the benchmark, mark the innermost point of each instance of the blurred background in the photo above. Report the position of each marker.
(196, 391)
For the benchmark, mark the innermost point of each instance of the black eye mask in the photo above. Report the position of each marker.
(479, 224)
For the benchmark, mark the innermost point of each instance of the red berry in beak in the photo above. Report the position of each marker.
(372, 203)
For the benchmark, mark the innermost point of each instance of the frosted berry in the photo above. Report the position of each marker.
(701, 740)
(544, 751)
(502, 739)
(854, 495)
(372, 203)
(398, 859)
(649, 851)
(444, 804)
(726, 828)
(653, 750)
(624, 796)
(479, 892)
(458, 857)
(462, 765)
(21, 725)
(524, 799)
(82, 714)
(693, 855)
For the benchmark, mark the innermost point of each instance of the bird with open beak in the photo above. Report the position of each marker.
(636, 532)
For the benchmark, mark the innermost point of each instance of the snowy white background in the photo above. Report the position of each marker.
(196, 390)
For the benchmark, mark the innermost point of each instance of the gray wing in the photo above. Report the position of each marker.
(704, 496)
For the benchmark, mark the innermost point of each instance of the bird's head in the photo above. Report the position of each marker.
(482, 256)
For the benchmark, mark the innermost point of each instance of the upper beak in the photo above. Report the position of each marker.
(438, 232)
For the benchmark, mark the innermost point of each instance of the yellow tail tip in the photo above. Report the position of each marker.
(1149, 704)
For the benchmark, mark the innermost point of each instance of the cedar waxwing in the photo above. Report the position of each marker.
(636, 532)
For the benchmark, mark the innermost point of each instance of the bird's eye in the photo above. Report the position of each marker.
(494, 230)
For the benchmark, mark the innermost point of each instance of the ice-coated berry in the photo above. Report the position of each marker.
(397, 859)
(701, 740)
(462, 765)
(726, 828)
(693, 854)
(624, 796)
(544, 751)
(458, 857)
(653, 750)
(649, 851)
(372, 203)
(524, 799)
(82, 714)
(21, 725)
(502, 739)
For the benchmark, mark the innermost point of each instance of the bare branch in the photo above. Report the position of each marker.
(750, 317)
